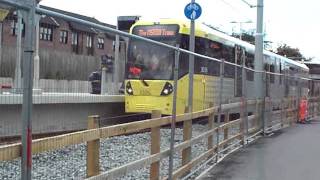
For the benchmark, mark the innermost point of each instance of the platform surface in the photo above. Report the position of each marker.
(290, 154)
(65, 98)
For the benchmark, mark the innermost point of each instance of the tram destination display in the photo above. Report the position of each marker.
(156, 31)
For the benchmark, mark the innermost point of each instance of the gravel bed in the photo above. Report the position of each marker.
(70, 162)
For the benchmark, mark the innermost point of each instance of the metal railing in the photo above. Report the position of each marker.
(231, 134)
(267, 115)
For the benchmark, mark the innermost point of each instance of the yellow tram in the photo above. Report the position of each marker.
(149, 67)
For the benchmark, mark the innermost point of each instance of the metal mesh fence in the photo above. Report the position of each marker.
(68, 88)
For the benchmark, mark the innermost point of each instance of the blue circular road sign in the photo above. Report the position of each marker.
(192, 11)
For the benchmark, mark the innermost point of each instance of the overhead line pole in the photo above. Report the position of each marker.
(258, 63)
(26, 160)
(259, 43)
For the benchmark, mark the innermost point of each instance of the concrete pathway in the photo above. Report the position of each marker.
(290, 154)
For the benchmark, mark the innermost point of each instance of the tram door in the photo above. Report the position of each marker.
(239, 59)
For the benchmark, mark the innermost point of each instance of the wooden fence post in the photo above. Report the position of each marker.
(318, 109)
(241, 128)
(270, 114)
(93, 149)
(317, 102)
(210, 127)
(287, 112)
(226, 129)
(256, 125)
(296, 110)
(314, 109)
(281, 113)
(295, 107)
(291, 110)
(296, 114)
(187, 134)
(311, 109)
(155, 146)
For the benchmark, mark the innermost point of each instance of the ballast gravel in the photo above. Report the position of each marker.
(70, 162)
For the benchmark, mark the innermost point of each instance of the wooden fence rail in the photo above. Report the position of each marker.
(287, 115)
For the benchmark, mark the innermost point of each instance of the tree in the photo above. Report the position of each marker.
(292, 53)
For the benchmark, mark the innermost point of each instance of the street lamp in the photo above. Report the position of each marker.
(240, 23)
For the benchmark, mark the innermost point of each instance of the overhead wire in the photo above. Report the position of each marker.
(236, 9)
(246, 2)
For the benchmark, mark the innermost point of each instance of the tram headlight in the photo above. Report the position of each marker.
(129, 89)
(167, 89)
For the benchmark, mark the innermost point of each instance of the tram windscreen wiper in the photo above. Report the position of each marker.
(144, 82)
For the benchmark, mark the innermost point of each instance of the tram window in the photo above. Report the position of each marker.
(250, 64)
(267, 69)
(291, 73)
(201, 64)
(281, 72)
(272, 69)
(184, 57)
(227, 53)
(214, 50)
(229, 56)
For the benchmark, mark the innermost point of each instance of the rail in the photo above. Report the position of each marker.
(246, 126)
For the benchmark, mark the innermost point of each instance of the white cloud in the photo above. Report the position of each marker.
(292, 22)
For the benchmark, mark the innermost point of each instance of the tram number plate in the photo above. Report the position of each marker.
(145, 92)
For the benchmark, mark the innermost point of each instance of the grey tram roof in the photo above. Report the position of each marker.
(314, 61)
(226, 39)
(220, 37)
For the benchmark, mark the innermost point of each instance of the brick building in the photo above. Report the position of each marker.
(59, 34)
(68, 50)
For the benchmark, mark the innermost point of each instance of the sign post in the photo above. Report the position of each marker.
(192, 11)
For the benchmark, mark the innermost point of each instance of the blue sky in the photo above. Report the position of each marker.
(293, 22)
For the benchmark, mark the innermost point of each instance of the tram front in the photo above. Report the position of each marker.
(149, 69)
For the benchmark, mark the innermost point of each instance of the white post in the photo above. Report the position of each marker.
(36, 59)
(0, 42)
(104, 80)
(17, 75)
(110, 87)
(115, 86)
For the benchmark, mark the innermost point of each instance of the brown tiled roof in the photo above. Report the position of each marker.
(78, 26)
(49, 20)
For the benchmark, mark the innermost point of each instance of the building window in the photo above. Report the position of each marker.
(74, 42)
(74, 38)
(100, 43)
(89, 41)
(89, 45)
(14, 28)
(46, 33)
(64, 37)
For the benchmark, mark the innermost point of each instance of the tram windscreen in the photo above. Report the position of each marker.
(148, 61)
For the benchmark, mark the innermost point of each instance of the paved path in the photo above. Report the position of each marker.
(291, 154)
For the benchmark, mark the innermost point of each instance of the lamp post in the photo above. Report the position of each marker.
(240, 24)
